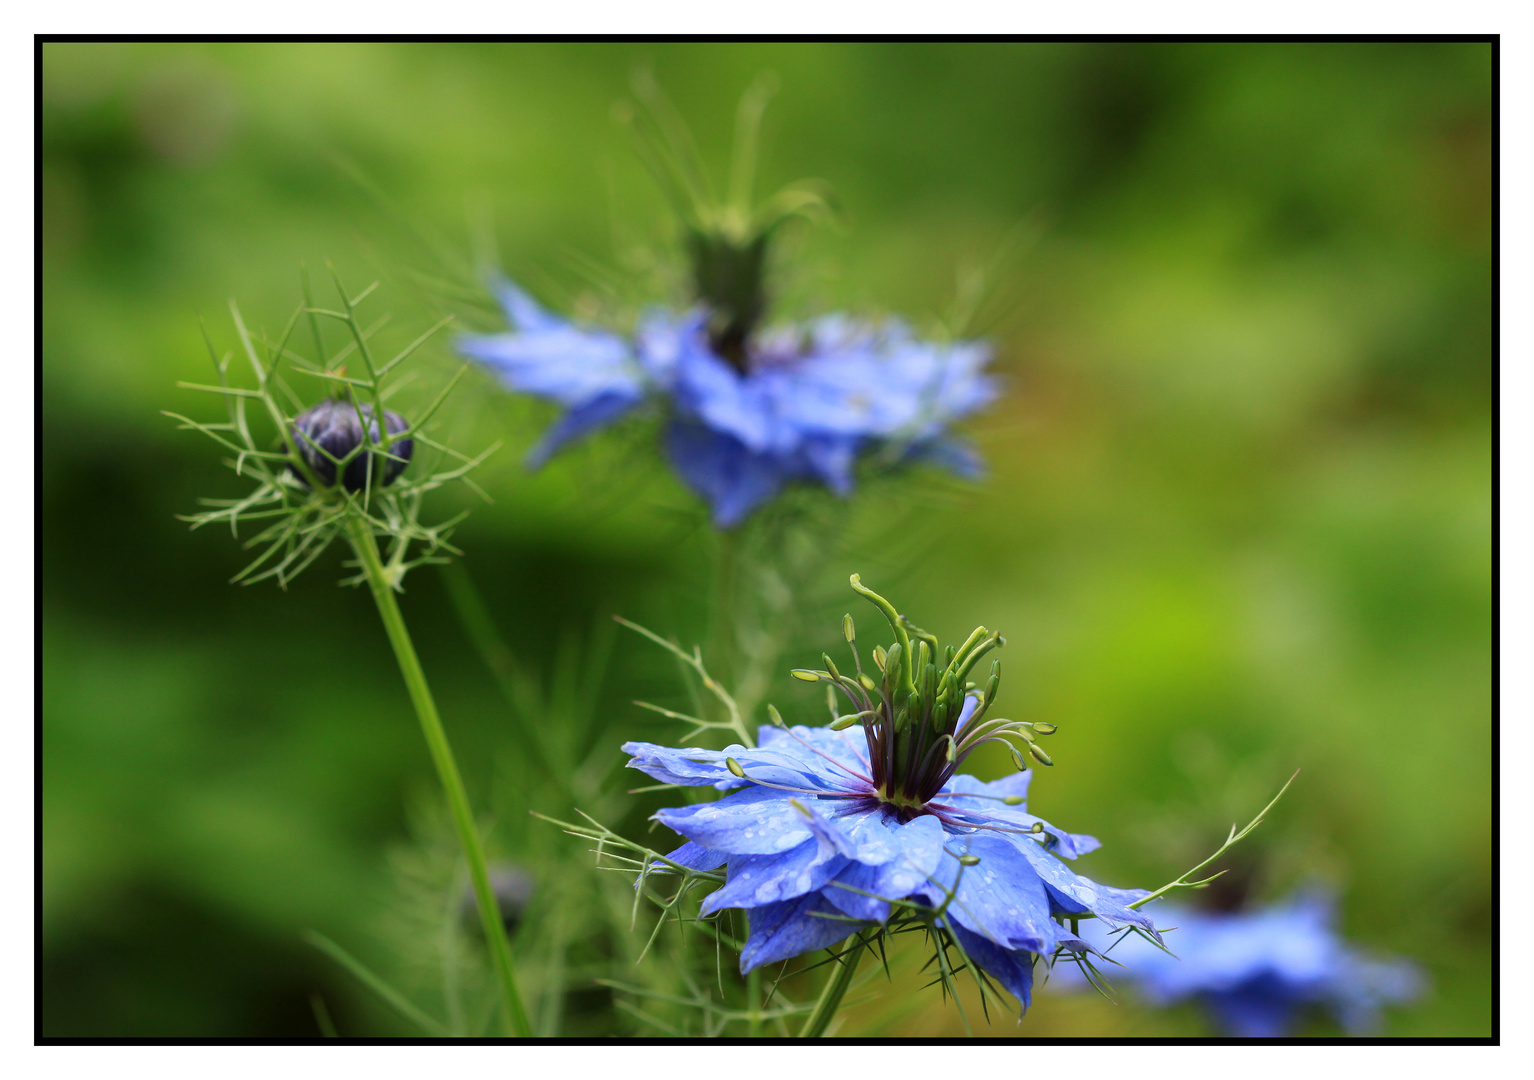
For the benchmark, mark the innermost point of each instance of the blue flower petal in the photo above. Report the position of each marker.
(792, 928)
(1070, 893)
(786, 763)
(756, 880)
(581, 420)
(756, 821)
(522, 311)
(1010, 967)
(1260, 1008)
(993, 811)
(690, 767)
(893, 861)
(1000, 898)
(956, 455)
(693, 856)
(719, 467)
(830, 459)
(727, 402)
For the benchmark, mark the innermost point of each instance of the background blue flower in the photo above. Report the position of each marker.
(804, 405)
(1257, 971)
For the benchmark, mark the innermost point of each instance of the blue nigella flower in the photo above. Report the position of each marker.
(795, 404)
(1257, 971)
(827, 831)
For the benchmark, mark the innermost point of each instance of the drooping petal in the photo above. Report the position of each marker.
(829, 459)
(792, 928)
(756, 880)
(999, 898)
(1013, 968)
(1070, 893)
(719, 467)
(1261, 1008)
(581, 420)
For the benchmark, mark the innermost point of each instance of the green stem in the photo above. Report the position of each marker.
(836, 989)
(726, 618)
(513, 1016)
(754, 1004)
(514, 685)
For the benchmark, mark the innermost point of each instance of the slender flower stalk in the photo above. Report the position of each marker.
(513, 1015)
(335, 470)
(836, 989)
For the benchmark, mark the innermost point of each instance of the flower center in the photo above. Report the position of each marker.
(729, 277)
(922, 717)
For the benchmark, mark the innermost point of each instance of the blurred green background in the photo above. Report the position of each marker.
(1238, 523)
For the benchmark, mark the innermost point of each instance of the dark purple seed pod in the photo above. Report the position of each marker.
(332, 428)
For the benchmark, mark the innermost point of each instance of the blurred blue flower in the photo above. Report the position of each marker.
(1256, 971)
(814, 852)
(799, 404)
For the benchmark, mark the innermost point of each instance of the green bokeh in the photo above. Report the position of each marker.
(1238, 522)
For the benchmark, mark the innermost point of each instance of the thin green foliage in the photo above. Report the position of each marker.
(295, 516)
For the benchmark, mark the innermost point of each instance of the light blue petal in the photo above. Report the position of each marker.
(690, 767)
(894, 861)
(994, 812)
(712, 391)
(756, 821)
(522, 311)
(1000, 898)
(839, 758)
(782, 763)
(694, 857)
(755, 880)
(792, 928)
(1072, 894)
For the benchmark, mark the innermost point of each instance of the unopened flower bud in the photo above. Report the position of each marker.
(327, 433)
(1039, 755)
(1013, 800)
(805, 674)
(775, 716)
(848, 630)
(880, 658)
(734, 767)
(1046, 729)
(969, 860)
